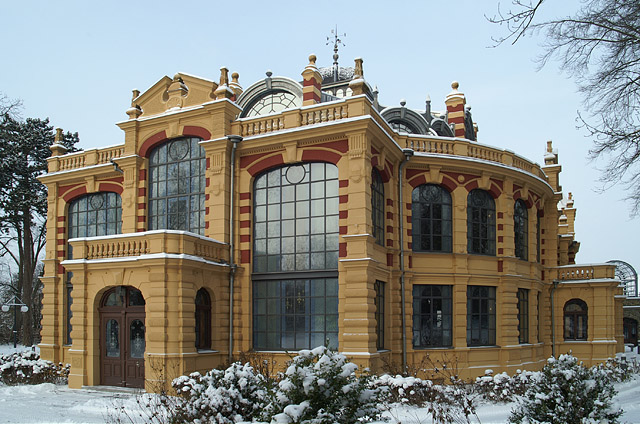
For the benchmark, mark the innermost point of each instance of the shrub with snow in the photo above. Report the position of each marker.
(221, 396)
(320, 386)
(27, 368)
(566, 391)
(501, 387)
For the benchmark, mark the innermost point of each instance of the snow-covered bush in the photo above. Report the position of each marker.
(221, 396)
(502, 387)
(451, 403)
(320, 386)
(566, 391)
(27, 368)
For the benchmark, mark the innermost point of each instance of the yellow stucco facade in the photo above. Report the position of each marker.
(521, 322)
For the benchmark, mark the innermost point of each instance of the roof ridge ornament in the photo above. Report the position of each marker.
(337, 39)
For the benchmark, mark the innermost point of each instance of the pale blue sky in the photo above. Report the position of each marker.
(76, 62)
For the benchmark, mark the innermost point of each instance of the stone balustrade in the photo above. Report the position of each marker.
(84, 158)
(149, 243)
(585, 272)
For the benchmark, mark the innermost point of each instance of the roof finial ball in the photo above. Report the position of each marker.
(268, 73)
(312, 60)
(455, 85)
(403, 102)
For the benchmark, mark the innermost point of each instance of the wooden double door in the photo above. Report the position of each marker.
(122, 338)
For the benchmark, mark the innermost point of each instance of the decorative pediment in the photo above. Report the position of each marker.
(182, 91)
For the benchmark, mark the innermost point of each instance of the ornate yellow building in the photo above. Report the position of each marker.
(293, 214)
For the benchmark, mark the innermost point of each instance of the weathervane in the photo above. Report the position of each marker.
(336, 39)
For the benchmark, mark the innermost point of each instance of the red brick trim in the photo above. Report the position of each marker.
(245, 196)
(389, 259)
(343, 214)
(343, 183)
(142, 175)
(151, 142)
(142, 191)
(321, 156)
(245, 224)
(75, 193)
(245, 238)
(114, 188)
(342, 229)
(245, 209)
(342, 250)
(500, 266)
(266, 163)
(344, 198)
(245, 256)
(193, 131)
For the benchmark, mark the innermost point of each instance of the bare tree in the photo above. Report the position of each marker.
(599, 47)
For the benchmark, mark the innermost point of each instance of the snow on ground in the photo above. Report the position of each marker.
(49, 403)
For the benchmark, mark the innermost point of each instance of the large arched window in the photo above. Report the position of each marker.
(431, 219)
(97, 214)
(377, 206)
(481, 223)
(575, 320)
(295, 257)
(176, 186)
(521, 229)
(203, 320)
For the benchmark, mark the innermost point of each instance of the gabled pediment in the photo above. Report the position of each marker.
(183, 90)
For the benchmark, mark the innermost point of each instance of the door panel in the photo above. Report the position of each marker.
(111, 341)
(134, 361)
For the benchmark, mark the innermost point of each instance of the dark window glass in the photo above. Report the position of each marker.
(377, 206)
(69, 301)
(295, 285)
(136, 339)
(539, 326)
(379, 301)
(112, 335)
(432, 316)
(523, 316)
(203, 320)
(296, 219)
(521, 229)
(98, 214)
(121, 296)
(538, 236)
(295, 314)
(481, 316)
(176, 186)
(481, 223)
(575, 320)
(431, 219)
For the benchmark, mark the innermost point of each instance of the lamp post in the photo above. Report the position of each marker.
(15, 302)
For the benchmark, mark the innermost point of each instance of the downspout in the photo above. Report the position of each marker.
(407, 155)
(235, 140)
(553, 320)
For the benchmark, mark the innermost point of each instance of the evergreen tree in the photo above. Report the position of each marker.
(24, 149)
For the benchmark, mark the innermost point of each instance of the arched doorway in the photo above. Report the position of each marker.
(122, 337)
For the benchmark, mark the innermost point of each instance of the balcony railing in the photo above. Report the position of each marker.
(585, 272)
(149, 243)
(84, 158)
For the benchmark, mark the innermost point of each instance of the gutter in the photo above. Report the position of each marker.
(408, 153)
(235, 140)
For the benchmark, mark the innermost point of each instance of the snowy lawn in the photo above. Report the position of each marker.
(49, 403)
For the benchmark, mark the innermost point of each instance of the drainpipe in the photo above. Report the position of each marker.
(407, 155)
(553, 320)
(235, 140)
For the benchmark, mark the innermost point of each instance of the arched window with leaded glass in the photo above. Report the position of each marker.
(575, 320)
(431, 225)
(481, 223)
(521, 229)
(295, 257)
(176, 186)
(377, 206)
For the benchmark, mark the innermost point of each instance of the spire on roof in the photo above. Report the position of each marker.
(335, 39)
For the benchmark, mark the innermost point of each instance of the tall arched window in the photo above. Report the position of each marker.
(203, 320)
(521, 229)
(176, 186)
(97, 214)
(431, 219)
(481, 223)
(575, 320)
(377, 206)
(295, 257)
